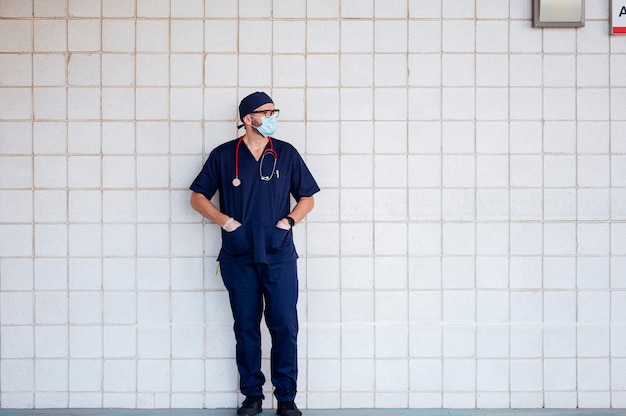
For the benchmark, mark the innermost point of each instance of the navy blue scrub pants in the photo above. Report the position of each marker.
(250, 286)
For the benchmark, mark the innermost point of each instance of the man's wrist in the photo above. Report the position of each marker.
(290, 220)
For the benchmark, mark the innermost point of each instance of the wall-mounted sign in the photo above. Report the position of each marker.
(559, 13)
(618, 17)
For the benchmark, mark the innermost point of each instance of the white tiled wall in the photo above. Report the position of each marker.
(467, 249)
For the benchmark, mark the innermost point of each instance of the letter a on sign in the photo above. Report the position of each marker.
(618, 17)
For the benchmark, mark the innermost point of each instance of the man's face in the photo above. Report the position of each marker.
(263, 111)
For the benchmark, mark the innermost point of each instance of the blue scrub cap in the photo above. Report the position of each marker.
(253, 101)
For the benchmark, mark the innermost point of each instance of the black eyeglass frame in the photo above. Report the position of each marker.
(273, 112)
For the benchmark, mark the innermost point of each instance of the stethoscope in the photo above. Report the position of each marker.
(270, 150)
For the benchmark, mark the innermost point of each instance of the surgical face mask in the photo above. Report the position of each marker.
(268, 126)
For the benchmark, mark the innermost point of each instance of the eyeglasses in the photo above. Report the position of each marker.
(267, 113)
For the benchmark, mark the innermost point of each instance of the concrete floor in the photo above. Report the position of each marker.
(355, 412)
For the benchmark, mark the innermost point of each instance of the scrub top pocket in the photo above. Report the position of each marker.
(279, 238)
(236, 243)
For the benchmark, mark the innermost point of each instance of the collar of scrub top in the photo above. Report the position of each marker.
(237, 181)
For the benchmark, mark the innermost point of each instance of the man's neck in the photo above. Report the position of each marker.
(255, 142)
(254, 139)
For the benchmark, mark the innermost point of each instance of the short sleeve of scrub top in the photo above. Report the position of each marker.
(255, 203)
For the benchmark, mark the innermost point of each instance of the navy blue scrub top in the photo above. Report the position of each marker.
(257, 204)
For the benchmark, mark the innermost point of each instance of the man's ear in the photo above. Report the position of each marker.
(247, 120)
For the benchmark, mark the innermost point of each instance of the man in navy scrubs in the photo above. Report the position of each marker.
(256, 175)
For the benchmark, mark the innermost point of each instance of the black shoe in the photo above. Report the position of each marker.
(288, 409)
(250, 407)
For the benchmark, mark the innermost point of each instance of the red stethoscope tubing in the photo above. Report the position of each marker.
(271, 150)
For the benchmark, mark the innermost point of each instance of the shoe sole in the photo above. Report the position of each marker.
(249, 414)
